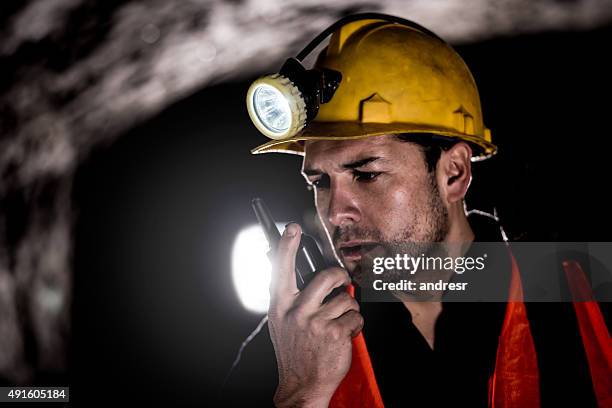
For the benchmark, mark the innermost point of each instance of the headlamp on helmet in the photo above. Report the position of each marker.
(281, 104)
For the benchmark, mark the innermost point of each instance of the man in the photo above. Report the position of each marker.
(389, 159)
(375, 191)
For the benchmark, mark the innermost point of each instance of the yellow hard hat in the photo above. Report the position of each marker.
(395, 79)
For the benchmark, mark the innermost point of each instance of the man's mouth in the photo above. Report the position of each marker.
(353, 251)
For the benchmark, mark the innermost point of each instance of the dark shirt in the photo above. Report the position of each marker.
(455, 372)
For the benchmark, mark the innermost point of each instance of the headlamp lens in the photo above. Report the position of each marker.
(272, 108)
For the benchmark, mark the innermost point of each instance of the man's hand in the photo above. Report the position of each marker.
(312, 339)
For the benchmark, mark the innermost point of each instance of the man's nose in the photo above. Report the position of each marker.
(343, 206)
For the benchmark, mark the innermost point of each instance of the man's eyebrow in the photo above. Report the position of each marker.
(360, 162)
(350, 166)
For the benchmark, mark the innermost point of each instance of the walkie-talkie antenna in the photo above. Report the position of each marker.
(267, 222)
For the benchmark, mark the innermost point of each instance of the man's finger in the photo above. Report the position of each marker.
(322, 284)
(283, 268)
(338, 306)
(351, 322)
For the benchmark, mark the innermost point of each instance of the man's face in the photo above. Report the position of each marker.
(374, 196)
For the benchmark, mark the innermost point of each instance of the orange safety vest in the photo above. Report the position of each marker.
(515, 381)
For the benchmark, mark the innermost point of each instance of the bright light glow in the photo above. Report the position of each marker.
(272, 108)
(251, 268)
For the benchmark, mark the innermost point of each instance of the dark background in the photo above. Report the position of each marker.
(155, 315)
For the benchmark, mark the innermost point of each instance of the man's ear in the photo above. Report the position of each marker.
(455, 172)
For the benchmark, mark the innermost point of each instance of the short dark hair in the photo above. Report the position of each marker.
(431, 145)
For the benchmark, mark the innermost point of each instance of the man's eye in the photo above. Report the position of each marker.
(365, 176)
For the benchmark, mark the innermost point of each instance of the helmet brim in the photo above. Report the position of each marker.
(482, 148)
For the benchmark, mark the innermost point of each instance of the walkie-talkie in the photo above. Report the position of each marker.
(308, 260)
